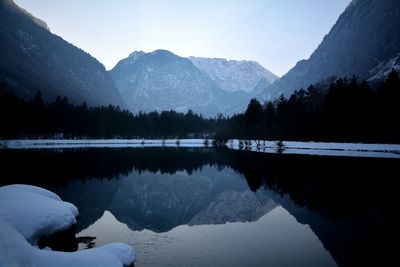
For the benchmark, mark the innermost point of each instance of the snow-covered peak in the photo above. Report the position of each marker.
(234, 75)
(161, 80)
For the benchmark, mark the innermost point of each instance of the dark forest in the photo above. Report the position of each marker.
(342, 110)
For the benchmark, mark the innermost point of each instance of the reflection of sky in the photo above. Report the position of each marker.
(276, 239)
(276, 33)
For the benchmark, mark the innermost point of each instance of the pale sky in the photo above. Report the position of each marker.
(275, 33)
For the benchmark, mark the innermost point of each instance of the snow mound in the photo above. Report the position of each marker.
(28, 213)
(35, 212)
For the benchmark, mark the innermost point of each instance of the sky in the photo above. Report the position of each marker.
(275, 33)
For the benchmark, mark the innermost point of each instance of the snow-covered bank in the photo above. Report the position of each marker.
(289, 147)
(320, 148)
(99, 143)
(28, 213)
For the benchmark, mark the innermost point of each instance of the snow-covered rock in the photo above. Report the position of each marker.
(28, 213)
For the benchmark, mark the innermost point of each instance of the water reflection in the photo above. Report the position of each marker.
(348, 203)
(265, 242)
(160, 202)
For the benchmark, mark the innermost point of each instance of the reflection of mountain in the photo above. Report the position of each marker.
(348, 202)
(341, 199)
(232, 206)
(92, 197)
(352, 241)
(161, 202)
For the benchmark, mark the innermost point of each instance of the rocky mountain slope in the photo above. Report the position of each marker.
(233, 75)
(32, 59)
(161, 80)
(366, 36)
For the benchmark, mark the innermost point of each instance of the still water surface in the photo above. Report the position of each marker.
(207, 218)
(210, 207)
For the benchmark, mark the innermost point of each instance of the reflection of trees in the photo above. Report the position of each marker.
(334, 186)
(348, 202)
(51, 167)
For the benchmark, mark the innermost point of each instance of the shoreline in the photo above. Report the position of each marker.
(286, 147)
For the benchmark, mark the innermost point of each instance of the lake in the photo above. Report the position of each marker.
(222, 207)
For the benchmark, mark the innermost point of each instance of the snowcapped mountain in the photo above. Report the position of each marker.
(233, 75)
(161, 80)
(32, 59)
(364, 40)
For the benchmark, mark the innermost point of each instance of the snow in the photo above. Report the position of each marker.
(28, 213)
(100, 143)
(233, 75)
(119, 255)
(383, 69)
(290, 147)
(35, 189)
(322, 148)
(42, 212)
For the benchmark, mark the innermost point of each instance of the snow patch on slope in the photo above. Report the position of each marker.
(233, 75)
(381, 71)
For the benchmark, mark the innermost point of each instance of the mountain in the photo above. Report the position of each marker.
(32, 59)
(161, 80)
(365, 38)
(233, 75)
(384, 68)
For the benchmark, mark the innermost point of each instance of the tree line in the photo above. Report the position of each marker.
(343, 110)
(62, 119)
